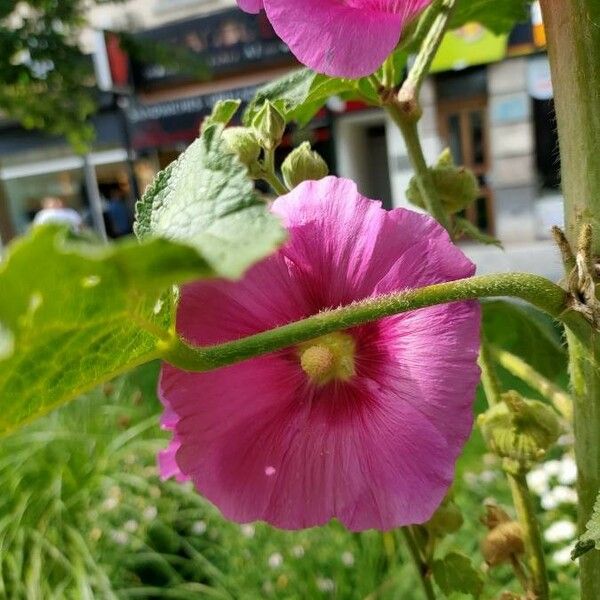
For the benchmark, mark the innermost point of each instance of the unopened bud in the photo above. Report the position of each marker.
(503, 543)
(519, 429)
(243, 143)
(303, 164)
(457, 187)
(447, 519)
(269, 126)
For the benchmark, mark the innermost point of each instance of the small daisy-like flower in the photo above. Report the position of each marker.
(275, 560)
(342, 38)
(561, 531)
(365, 424)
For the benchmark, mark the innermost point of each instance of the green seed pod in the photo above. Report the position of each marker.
(243, 143)
(519, 429)
(269, 126)
(457, 186)
(303, 164)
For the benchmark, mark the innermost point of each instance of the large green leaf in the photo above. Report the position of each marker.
(455, 574)
(206, 199)
(526, 332)
(497, 16)
(75, 313)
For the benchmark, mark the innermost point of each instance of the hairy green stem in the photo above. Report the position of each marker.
(538, 574)
(489, 378)
(420, 564)
(439, 21)
(519, 368)
(538, 581)
(267, 173)
(573, 32)
(532, 288)
(408, 127)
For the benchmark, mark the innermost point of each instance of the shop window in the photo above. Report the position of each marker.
(463, 126)
(547, 154)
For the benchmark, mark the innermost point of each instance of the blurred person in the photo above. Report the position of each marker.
(55, 211)
(117, 217)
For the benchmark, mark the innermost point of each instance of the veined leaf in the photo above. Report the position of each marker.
(206, 199)
(590, 540)
(455, 574)
(74, 314)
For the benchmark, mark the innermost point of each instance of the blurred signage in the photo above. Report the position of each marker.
(225, 42)
(177, 121)
(468, 46)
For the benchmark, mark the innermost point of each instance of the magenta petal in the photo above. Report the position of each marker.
(262, 441)
(333, 38)
(251, 6)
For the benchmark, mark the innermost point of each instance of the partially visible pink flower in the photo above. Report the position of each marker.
(251, 6)
(342, 38)
(364, 425)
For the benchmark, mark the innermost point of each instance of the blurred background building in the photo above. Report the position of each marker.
(489, 100)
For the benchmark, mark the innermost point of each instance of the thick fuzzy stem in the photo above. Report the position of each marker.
(573, 31)
(532, 288)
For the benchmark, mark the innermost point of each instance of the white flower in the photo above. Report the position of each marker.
(563, 556)
(561, 531)
(348, 558)
(120, 537)
(557, 496)
(248, 530)
(150, 513)
(130, 526)
(199, 528)
(275, 560)
(487, 476)
(538, 481)
(325, 585)
(565, 495)
(568, 471)
(298, 551)
(551, 468)
(110, 503)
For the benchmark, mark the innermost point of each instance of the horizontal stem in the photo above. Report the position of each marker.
(532, 288)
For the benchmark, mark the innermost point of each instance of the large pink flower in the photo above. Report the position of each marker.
(364, 425)
(342, 38)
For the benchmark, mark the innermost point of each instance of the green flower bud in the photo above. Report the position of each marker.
(457, 187)
(269, 126)
(303, 164)
(447, 519)
(243, 143)
(520, 430)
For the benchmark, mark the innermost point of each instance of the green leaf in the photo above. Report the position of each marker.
(455, 574)
(526, 332)
(300, 94)
(74, 314)
(498, 17)
(222, 113)
(206, 199)
(591, 538)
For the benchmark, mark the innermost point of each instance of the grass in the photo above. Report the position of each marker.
(83, 515)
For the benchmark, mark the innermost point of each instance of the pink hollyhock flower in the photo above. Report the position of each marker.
(364, 425)
(342, 38)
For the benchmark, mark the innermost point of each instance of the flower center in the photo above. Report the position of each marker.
(328, 357)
